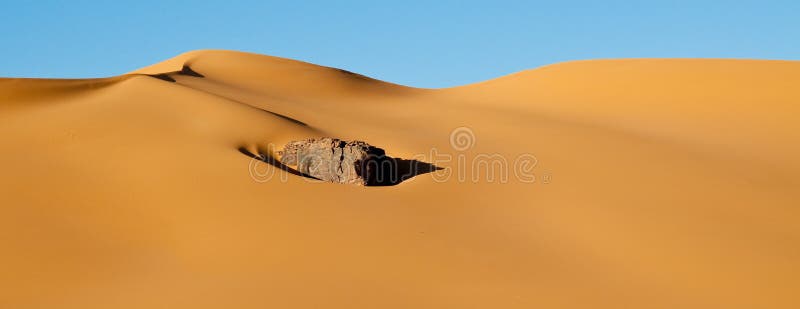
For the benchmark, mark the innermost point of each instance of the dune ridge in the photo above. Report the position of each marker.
(658, 183)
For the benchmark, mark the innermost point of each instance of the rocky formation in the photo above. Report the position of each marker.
(349, 162)
(334, 160)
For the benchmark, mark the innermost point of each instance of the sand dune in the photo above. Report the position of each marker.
(655, 183)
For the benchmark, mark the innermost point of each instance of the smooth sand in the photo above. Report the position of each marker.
(659, 184)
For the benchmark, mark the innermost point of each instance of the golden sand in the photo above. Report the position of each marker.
(657, 183)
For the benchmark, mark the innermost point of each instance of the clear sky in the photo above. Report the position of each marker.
(418, 43)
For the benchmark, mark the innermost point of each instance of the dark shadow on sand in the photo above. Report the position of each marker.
(185, 70)
(388, 171)
(271, 161)
(163, 76)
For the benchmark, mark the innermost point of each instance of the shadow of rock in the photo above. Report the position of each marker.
(388, 171)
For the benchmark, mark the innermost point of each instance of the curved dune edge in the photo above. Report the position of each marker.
(651, 183)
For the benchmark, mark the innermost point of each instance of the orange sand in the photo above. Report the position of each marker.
(660, 183)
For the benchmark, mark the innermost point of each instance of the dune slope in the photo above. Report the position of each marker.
(642, 183)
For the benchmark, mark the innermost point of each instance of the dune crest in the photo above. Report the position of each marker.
(643, 183)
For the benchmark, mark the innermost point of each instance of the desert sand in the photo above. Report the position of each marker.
(651, 183)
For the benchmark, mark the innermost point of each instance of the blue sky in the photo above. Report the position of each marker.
(417, 43)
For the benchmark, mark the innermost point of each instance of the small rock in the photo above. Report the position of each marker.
(334, 160)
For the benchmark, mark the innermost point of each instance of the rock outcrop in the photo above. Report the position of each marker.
(334, 160)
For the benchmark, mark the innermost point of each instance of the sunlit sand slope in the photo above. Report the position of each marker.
(652, 183)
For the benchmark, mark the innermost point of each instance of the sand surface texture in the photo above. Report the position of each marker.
(642, 183)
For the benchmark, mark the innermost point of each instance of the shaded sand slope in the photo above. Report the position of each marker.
(659, 184)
